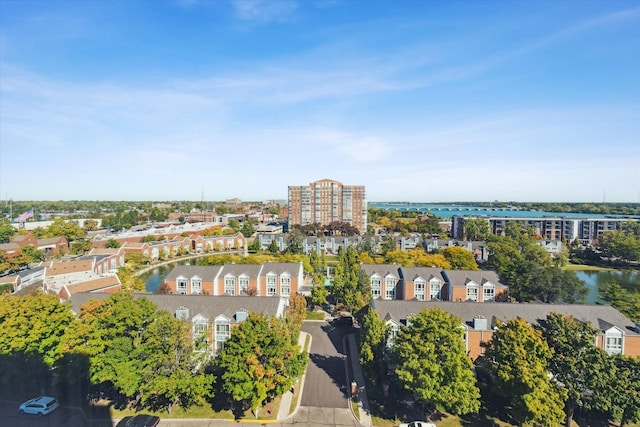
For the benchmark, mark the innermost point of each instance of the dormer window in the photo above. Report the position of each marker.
(285, 285)
(376, 286)
(182, 313)
(419, 286)
(613, 341)
(271, 284)
(390, 287)
(229, 285)
(472, 292)
(488, 292)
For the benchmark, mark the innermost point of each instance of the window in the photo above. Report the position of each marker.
(196, 285)
(285, 285)
(472, 292)
(393, 333)
(222, 332)
(243, 284)
(229, 285)
(434, 289)
(181, 285)
(182, 313)
(419, 288)
(271, 284)
(376, 287)
(488, 292)
(613, 341)
(390, 288)
(200, 327)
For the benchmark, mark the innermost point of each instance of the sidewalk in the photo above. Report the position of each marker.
(285, 402)
(364, 414)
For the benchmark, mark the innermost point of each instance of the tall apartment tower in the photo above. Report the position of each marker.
(327, 201)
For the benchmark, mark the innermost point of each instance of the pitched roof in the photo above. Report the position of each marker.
(206, 272)
(412, 273)
(381, 269)
(600, 316)
(462, 277)
(207, 305)
(93, 285)
(293, 268)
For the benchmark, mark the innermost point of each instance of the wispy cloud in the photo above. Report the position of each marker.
(265, 10)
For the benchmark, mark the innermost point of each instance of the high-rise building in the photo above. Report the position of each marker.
(328, 201)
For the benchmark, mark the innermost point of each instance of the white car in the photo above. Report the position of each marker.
(417, 424)
(40, 405)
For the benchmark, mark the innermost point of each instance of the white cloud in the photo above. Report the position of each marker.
(265, 10)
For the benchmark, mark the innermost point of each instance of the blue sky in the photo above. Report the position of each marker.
(430, 101)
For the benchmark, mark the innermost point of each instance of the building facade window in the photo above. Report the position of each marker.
(222, 332)
(196, 285)
(488, 292)
(181, 286)
(285, 285)
(419, 286)
(229, 285)
(376, 287)
(271, 284)
(243, 284)
(613, 340)
(390, 288)
(200, 327)
(435, 287)
(472, 292)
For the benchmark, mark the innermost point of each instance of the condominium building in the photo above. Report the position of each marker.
(328, 201)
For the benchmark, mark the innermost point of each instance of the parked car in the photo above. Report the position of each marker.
(417, 424)
(142, 420)
(40, 405)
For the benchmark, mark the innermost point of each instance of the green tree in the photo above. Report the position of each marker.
(373, 345)
(248, 228)
(67, 229)
(626, 301)
(476, 229)
(38, 325)
(172, 372)
(576, 363)
(259, 361)
(112, 243)
(623, 395)
(90, 225)
(319, 292)
(551, 285)
(32, 253)
(348, 284)
(460, 258)
(7, 231)
(79, 247)
(518, 359)
(294, 244)
(431, 361)
(273, 247)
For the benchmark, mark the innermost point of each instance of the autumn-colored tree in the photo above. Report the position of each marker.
(460, 258)
(518, 359)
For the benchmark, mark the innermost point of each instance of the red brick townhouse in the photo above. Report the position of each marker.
(212, 316)
(473, 285)
(218, 243)
(268, 279)
(394, 282)
(617, 334)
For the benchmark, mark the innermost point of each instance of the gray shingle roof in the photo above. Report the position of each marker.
(381, 269)
(411, 273)
(461, 277)
(206, 272)
(600, 316)
(208, 306)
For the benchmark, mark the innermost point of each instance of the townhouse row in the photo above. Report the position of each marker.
(271, 279)
(213, 317)
(616, 333)
(394, 282)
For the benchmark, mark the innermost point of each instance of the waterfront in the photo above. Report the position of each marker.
(447, 211)
(593, 279)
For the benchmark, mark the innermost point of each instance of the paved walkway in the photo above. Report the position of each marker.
(364, 414)
(285, 402)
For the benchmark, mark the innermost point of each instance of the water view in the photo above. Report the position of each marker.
(594, 279)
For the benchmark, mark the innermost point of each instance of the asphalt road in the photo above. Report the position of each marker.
(325, 383)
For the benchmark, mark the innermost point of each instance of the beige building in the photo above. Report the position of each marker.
(328, 201)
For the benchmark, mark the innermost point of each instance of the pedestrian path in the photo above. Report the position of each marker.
(364, 414)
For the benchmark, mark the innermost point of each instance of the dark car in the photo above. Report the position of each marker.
(142, 420)
(345, 321)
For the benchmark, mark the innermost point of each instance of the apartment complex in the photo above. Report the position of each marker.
(586, 229)
(328, 201)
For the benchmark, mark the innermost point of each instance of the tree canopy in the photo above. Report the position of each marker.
(431, 361)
